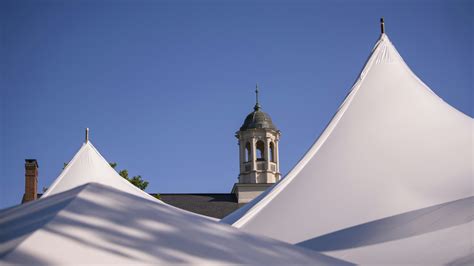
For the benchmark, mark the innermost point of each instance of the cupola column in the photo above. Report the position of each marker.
(267, 154)
(242, 155)
(253, 152)
(277, 157)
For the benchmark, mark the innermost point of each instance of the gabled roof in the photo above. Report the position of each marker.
(392, 147)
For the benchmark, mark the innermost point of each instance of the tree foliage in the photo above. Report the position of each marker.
(135, 180)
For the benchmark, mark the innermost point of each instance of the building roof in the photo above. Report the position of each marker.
(217, 205)
(257, 118)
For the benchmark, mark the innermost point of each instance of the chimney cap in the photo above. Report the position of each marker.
(32, 161)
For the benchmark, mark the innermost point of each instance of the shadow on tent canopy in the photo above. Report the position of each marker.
(396, 227)
(126, 226)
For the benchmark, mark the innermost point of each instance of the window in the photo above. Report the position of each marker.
(260, 151)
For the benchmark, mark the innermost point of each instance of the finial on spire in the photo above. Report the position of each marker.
(256, 93)
(382, 26)
(87, 134)
(257, 105)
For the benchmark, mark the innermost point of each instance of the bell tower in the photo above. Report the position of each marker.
(258, 141)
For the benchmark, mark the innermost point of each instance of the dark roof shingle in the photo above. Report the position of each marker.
(213, 205)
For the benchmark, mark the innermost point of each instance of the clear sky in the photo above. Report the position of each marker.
(164, 85)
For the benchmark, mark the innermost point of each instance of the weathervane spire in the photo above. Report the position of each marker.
(257, 105)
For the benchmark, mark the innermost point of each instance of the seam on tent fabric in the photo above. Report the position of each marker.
(317, 144)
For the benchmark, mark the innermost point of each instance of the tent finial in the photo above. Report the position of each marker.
(87, 134)
(382, 26)
(257, 105)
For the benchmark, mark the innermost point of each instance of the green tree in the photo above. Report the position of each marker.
(135, 180)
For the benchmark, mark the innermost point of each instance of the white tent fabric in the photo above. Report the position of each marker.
(90, 216)
(392, 150)
(86, 166)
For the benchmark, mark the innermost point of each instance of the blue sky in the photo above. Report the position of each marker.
(164, 85)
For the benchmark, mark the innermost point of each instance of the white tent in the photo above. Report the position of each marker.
(87, 166)
(92, 215)
(390, 179)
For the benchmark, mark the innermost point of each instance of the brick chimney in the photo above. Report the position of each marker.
(31, 180)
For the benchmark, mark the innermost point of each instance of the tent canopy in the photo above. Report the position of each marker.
(92, 215)
(393, 149)
(86, 166)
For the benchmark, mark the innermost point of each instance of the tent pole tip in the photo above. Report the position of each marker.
(382, 26)
(87, 134)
